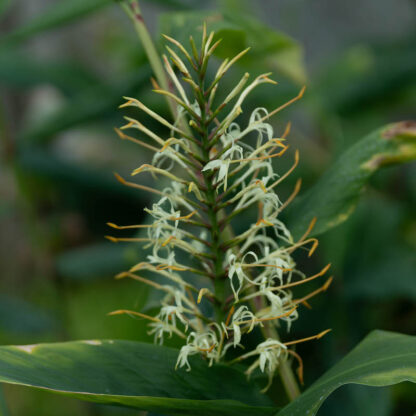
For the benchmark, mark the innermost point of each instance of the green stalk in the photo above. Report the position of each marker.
(213, 214)
(286, 373)
(132, 9)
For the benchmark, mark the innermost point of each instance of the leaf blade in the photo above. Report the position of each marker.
(381, 359)
(131, 374)
(334, 197)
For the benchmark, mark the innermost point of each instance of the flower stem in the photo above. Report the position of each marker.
(132, 9)
(286, 373)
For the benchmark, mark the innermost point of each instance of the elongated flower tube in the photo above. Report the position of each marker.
(219, 288)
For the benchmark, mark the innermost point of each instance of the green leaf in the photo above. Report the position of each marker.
(270, 49)
(381, 359)
(58, 14)
(334, 197)
(133, 374)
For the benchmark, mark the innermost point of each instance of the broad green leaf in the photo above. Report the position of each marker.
(132, 374)
(59, 13)
(334, 197)
(270, 49)
(381, 359)
(357, 400)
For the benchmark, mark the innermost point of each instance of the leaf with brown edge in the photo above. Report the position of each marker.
(334, 197)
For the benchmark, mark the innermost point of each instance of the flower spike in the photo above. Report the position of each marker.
(217, 286)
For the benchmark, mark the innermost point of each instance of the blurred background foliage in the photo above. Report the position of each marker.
(64, 67)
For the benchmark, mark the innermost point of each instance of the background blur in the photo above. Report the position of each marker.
(64, 66)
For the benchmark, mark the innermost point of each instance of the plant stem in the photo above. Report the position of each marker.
(286, 373)
(132, 9)
(285, 370)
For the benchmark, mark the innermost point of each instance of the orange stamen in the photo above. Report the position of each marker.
(316, 292)
(288, 313)
(207, 349)
(227, 321)
(154, 83)
(135, 185)
(293, 195)
(260, 157)
(185, 217)
(282, 178)
(299, 370)
(168, 240)
(201, 293)
(266, 265)
(134, 140)
(309, 229)
(287, 130)
(263, 221)
(167, 267)
(308, 279)
(261, 184)
(126, 227)
(139, 279)
(306, 304)
(127, 312)
(116, 240)
(298, 341)
(272, 113)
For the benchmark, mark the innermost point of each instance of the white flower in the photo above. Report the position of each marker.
(223, 164)
(270, 353)
(169, 313)
(241, 315)
(236, 268)
(186, 351)
(205, 342)
(159, 329)
(156, 259)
